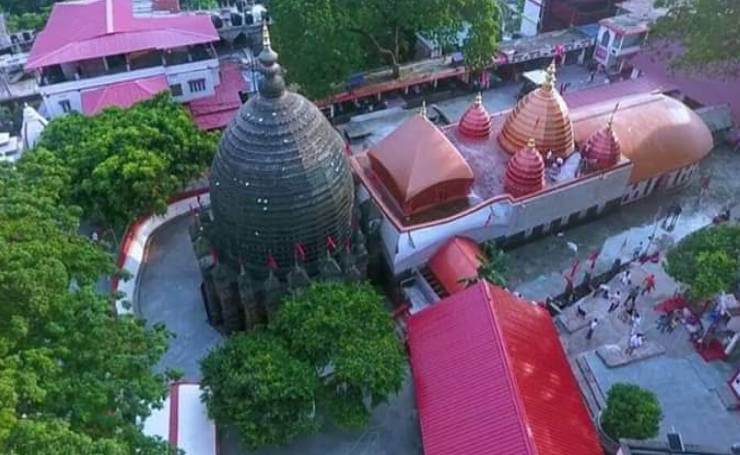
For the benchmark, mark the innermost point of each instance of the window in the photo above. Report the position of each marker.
(605, 38)
(66, 106)
(176, 89)
(632, 40)
(197, 85)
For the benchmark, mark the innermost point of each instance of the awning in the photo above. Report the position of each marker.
(123, 94)
(455, 262)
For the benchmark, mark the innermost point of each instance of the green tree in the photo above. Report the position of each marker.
(323, 42)
(708, 31)
(126, 162)
(707, 260)
(254, 384)
(631, 412)
(345, 334)
(74, 378)
(494, 265)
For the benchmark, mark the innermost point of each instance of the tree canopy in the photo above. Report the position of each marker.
(631, 412)
(322, 43)
(330, 351)
(253, 383)
(347, 336)
(126, 162)
(74, 378)
(26, 14)
(707, 261)
(707, 30)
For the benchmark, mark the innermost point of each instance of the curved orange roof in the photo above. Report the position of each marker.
(476, 121)
(542, 115)
(657, 133)
(454, 262)
(417, 156)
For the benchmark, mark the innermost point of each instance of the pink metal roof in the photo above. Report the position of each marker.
(491, 378)
(621, 89)
(80, 30)
(123, 94)
(217, 111)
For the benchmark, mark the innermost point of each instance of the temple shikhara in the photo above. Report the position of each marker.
(512, 175)
(282, 205)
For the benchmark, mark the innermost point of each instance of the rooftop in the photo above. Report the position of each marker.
(482, 386)
(86, 29)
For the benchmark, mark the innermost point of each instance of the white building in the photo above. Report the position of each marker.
(13, 147)
(96, 53)
(480, 179)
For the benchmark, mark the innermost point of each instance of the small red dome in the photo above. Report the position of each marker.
(476, 121)
(602, 149)
(525, 172)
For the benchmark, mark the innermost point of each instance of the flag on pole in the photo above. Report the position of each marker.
(271, 262)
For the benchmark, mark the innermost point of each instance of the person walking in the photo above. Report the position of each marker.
(614, 300)
(626, 278)
(580, 312)
(648, 284)
(635, 323)
(637, 252)
(635, 342)
(591, 327)
(632, 296)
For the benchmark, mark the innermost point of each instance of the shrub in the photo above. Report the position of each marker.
(631, 412)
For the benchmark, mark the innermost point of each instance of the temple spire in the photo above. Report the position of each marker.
(550, 77)
(611, 117)
(272, 85)
(479, 98)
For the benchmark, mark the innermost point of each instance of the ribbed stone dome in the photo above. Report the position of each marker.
(542, 115)
(525, 171)
(602, 148)
(280, 182)
(476, 121)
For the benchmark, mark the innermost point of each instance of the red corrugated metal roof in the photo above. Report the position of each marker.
(492, 378)
(620, 89)
(91, 29)
(217, 111)
(456, 260)
(123, 94)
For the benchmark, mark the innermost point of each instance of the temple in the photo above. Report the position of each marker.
(518, 174)
(281, 206)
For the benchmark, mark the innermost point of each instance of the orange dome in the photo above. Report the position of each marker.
(542, 115)
(476, 121)
(525, 172)
(602, 148)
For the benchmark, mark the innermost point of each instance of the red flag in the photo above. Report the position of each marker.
(271, 262)
(592, 257)
(574, 268)
(331, 245)
(300, 251)
(214, 256)
(490, 216)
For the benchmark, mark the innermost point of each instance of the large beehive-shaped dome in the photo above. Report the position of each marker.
(542, 115)
(281, 188)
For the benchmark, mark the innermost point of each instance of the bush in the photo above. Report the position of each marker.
(631, 412)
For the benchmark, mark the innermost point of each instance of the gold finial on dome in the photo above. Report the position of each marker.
(479, 98)
(550, 77)
(531, 143)
(423, 108)
(265, 36)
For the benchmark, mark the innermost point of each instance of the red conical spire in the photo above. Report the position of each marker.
(525, 172)
(602, 149)
(476, 121)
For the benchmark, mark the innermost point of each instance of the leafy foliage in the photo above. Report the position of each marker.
(323, 42)
(631, 412)
(345, 334)
(707, 260)
(26, 14)
(708, 31)
(126, 162)
(495, 265)
(74, 378)
(253, 383)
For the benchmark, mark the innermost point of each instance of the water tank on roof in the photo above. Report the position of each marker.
(236, 20)
(217, 21)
